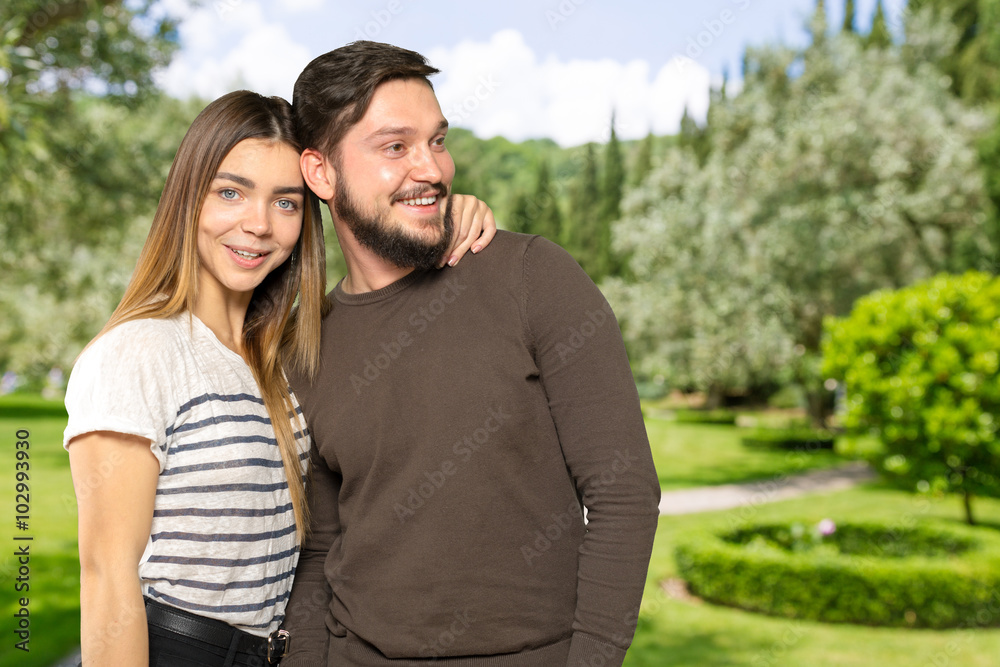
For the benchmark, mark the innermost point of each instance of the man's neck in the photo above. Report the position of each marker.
(366, 271)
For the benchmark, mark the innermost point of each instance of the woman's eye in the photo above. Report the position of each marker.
(287, 205)
(228, 193)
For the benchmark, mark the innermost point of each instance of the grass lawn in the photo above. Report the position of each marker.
(674, 631)
(671, 631)
(54, 579)
(689, 455)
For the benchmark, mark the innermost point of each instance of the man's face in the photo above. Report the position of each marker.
(393, 176)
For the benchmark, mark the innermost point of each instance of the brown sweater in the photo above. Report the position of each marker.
(460, 419)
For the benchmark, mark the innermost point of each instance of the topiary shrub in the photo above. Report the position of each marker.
(921, 369)
(930, 576)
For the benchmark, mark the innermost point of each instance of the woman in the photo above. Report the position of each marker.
(187, 453)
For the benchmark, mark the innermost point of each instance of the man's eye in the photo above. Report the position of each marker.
(396, 148)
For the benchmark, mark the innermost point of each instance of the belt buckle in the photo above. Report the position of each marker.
(277, 646)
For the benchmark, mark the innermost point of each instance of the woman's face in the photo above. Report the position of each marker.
(251, 218)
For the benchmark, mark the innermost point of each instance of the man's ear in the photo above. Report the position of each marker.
(318, 173)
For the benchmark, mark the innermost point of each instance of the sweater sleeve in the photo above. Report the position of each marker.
(593, 401)
(309, 604)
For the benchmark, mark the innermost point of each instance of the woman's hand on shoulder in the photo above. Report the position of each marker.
(475, 227)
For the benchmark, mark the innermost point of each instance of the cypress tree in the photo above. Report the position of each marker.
(611, 201)
(520, 216)
(818, 24)
(643, 161)
(849, 12)
(543, 208)
(694, 137)
(585, 239)
(879, 36)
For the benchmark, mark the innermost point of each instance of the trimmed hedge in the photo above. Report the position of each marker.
(794, 439)
(931, 576)
(705, 416)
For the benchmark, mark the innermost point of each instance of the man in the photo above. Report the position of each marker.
(462, 420)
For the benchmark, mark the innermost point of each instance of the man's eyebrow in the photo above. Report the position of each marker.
(404, 130)
(245, 182)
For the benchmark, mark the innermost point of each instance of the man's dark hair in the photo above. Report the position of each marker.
(333, 92)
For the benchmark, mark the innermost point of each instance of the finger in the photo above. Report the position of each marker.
(463, 213)
(482, 218)
(489, 231)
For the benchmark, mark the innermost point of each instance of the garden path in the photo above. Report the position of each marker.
(729, 496)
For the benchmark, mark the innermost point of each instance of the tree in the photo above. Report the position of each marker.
(858, 174)
(973, 61)
(879, 37)
(818, 24)
(614, 178)
(64, 272)
(543, 207)
(496, 170)
(644, 160)
(694, 137)
(585, 240)
(849, 13)
(520, 220)
(972, 64)
(920, 367)
(79, 168)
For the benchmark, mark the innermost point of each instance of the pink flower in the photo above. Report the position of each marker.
(827, 527)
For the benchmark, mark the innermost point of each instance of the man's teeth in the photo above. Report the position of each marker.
(420, 201)
(247, 255)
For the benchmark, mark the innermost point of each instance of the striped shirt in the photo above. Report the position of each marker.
(222, 543)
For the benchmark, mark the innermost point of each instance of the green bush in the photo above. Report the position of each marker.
(718, 416)
(921, 367)
(794, 438)
(788, 397)
(930, 576)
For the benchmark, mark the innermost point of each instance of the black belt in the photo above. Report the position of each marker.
(217, 633)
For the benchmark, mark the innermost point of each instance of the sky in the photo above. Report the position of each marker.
(517, 68)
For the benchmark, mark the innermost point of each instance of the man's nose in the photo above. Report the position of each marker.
(426, 166)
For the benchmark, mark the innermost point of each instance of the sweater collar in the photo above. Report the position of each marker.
(376, 295)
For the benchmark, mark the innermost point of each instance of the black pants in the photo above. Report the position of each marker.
(170, 649)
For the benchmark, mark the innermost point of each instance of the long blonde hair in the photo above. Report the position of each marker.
(165, 281)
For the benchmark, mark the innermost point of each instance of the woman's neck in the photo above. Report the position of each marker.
(224, 314)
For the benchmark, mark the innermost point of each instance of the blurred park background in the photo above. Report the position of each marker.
(804, 267)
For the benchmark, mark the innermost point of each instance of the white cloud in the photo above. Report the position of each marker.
(500, 88)
(301, 5)
(263, 58)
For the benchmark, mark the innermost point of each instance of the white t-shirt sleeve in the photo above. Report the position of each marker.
(123, 383)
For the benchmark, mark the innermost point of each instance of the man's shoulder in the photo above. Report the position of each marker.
(506, 243)
(508, 247)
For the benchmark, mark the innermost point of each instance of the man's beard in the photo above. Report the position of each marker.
(387, 239)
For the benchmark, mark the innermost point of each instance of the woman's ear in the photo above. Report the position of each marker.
(318, 173)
